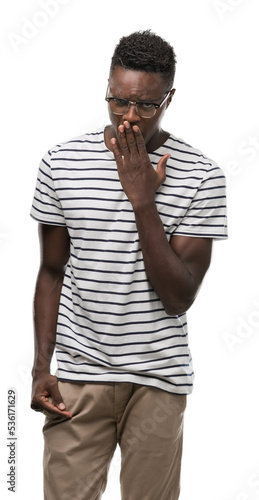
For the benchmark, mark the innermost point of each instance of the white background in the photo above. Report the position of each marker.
(54, 72)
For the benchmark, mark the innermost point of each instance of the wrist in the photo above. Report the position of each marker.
(144, 206)
(38, 372)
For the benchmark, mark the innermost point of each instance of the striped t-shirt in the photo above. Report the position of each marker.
(111, 325)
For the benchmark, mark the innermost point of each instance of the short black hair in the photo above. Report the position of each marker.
(145, 51)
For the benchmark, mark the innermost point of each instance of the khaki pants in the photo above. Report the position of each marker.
(146, 422)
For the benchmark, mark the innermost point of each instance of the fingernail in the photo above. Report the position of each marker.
(61, 406)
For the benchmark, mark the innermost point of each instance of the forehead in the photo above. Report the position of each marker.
(136, 84)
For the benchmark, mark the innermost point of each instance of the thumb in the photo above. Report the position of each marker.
(161, 168)
(57, 399)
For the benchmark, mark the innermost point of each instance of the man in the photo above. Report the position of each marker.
(127, 218)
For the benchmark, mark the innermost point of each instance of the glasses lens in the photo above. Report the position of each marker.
(145, 109)
(119, 106)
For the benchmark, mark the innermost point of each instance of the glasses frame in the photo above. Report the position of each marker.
(135, 103)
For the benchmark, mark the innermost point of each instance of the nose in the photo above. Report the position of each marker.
(131, 115)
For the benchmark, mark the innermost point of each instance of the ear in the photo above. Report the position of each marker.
(170, 97)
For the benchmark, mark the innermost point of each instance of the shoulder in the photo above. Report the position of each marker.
(190, 159)
(79, 143)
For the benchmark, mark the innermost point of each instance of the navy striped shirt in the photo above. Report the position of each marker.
(111, 325)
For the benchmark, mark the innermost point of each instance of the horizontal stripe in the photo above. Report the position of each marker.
(129, 333)
(122, 345)
(85, 352)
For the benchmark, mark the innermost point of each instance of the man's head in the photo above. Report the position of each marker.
(141, 78)
(145, 51)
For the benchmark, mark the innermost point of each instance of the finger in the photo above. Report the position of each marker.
(36, 407)
(51, 408)
(55, 395)
(139, 140)
(116, 152)
(130, 138)
(161, 168)
(46, 406)
(123, 142)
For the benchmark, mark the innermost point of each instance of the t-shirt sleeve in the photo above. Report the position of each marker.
(46, 207)
(207, 213)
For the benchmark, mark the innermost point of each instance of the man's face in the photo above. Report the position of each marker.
(138, 86)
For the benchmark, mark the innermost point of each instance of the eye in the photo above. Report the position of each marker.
(146, 106)
(120, 103)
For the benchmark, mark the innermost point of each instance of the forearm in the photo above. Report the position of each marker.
(167, 273)
(46, 304)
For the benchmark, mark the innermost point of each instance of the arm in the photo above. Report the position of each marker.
(175, 269)
(54, 245)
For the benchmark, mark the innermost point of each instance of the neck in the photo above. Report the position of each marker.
(157, 140)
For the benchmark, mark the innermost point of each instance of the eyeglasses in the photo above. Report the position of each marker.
(143, 109)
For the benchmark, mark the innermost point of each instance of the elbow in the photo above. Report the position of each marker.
(179, 303)
(176, 308)
(56, 274)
